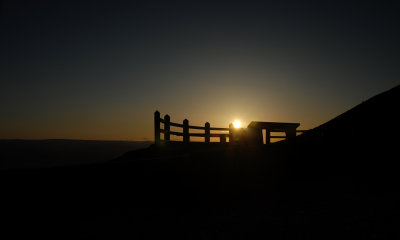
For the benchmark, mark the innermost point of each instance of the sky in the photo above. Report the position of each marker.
(99, 69)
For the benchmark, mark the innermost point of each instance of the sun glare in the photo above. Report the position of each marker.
(237, 124)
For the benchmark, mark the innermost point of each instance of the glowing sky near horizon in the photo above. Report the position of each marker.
(98, 70)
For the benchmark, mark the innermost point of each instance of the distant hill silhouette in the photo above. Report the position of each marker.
(60, 152)
(338, 180)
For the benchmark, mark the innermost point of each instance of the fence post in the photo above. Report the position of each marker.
(267, 136)
(231, 133)
(290, 133)
(186, 137)
(166, 128)
(207, 132)
(157, 139)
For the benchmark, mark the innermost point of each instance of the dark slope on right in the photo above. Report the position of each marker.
(360, 143)
(344, 173)
(374, 121)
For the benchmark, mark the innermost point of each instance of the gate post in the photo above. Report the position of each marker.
(207, 132)
(267, 136)
(290, 133)
(166, 128)
(186, 137)
(231, 133)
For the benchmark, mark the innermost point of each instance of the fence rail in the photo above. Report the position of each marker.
(227, 132)
(185, 130)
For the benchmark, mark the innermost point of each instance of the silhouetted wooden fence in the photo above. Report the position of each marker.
(185, 130)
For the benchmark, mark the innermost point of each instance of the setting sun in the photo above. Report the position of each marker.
(237, 124)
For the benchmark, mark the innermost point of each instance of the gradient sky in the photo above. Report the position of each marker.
(99, 69)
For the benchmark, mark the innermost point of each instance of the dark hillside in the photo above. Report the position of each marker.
(374, 121)
(336, 181)
(359, 142)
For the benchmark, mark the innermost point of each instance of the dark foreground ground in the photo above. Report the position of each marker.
(286, 191)
(337, 181)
